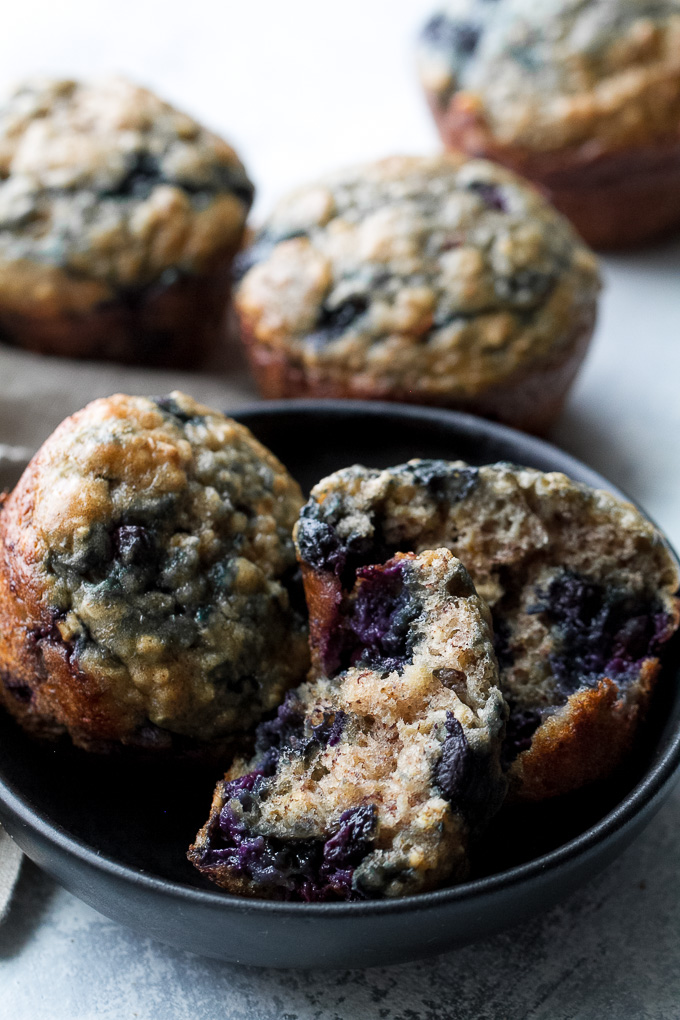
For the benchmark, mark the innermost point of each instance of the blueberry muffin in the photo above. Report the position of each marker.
(436, 280)
(582, 97)
(119, 219)
(146, 575)
(581, 588)
(373, 777)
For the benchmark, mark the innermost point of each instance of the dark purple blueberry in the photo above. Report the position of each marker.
(352, 840)
(453, 769)
(133, 545)
(331, 323)
(322, 548)
(597, 631)
(519, 733)
(444, 482)
(459, 37)
(328, 732)
(142, 175)
(286, 731)
(490, 194)
(170, 406)
(525, 288)
(379, 624)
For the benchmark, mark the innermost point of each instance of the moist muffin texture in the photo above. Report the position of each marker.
(373, 777)
(435, 280)
(583, 96)
(146, 572)
(119, 218)
(581, 588)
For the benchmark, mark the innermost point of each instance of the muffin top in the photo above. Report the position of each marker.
(440, 272)
(151, 539)
(550, 74)
(403, 743)
(103, 184)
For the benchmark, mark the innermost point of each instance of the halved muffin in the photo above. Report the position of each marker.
(374, 776)
(582, 590)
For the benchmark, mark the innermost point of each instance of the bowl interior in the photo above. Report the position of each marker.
(144, 816)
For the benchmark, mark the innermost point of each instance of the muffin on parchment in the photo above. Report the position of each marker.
(581, 588)
(146, 574)
(435, 280)
(583, 98)
(374, 776)
(119, 219)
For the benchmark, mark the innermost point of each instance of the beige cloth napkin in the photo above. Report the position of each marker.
(36, 393)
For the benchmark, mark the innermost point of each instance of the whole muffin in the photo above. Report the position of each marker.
(583, 98)
(146, 573)
(436, 280)
(119, 219)
(373, 778)
(581, 588)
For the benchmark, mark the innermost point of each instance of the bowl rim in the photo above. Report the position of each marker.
(652, 786)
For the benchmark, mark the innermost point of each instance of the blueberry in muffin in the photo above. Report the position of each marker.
(147, 579)
(437, 280)
(581, 97)
(119, 220)
(375, 775)
(581, 588)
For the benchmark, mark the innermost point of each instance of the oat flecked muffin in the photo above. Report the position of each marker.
(119, 219)
(582, 97)
(581, 588)
(146, 569)
(373, 777)
(436, 280)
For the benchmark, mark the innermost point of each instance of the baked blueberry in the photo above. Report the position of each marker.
(437, 280)
(374, 776)
(119, 219)
(581, 587)
(145, 558)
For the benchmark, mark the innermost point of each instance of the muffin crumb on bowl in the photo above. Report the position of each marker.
(374, 775)
(119, 220)
(148, 591)
(436, 280)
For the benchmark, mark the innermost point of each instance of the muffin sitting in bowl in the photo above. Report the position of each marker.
(147, 569)
(582, 589)
(437, 280)
(119, 219)
(372, 779)
(583, 98)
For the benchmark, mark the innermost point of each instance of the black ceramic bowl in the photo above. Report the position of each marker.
(115, 833)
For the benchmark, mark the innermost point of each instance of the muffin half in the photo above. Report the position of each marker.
(119, 219)
(581, 588)
(372, 778)
(146, 573)
(583, 98)
(437, 280)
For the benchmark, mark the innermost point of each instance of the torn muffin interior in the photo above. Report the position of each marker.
(581, 586)
(372, 779)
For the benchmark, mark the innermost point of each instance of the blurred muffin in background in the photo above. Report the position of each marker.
(583, 98)
(119, 219)
(434, 280)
